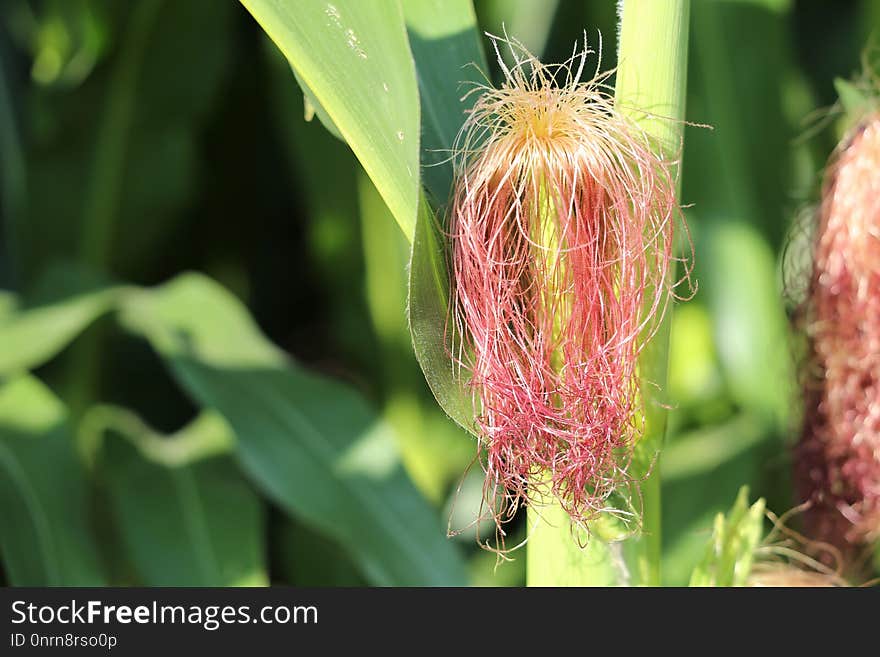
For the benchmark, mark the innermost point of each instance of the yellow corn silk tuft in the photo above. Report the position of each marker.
(562, 226)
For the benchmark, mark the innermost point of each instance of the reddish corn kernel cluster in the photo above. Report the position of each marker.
(562, 226)
(838, 456)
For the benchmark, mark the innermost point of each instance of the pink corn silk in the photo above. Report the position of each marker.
(562, 226)
(837, 461)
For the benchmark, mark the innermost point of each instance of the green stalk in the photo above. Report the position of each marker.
(13, 201)
(651, 76)
(105, 185)
(104, 192)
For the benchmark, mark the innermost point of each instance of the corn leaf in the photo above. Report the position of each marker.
(43, 492)
(32, 336)
(200, 525)
(449, 61)
(428, 307)
(354, 61)
(311, 444)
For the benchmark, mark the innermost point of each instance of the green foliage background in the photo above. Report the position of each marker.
(264, 420)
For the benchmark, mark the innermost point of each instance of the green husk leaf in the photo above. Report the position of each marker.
(428, 307)
(449, 60)
(730, 552)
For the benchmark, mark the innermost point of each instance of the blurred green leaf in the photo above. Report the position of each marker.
(46, 538)
(708, 449)
(745, 178)
(193, 524)
(385, 253)
(700, 471)
(207, 436)
(335, 469)
(319, 168)
(313, 445)
(739, 177)
(434, 450)
(8, 304)
(32, 336)
(743, 169)
(486, 569)
(13, 185)
(355, 62)
(528, 21)
(731, 550)
(303, 557)
(751, 328)
(185, 63)
(119, 152)
(853, 99)
(858, 99)
(695, 383)
(65, 37)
